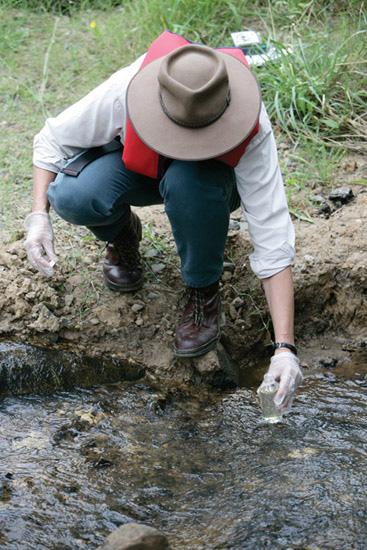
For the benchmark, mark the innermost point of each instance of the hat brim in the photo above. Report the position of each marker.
(171, 140)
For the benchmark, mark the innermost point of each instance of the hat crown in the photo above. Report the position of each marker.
(193, 86)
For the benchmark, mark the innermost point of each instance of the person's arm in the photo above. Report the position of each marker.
(279, 295)
(39, 242)
(284, 365)
(261, 188)
(94, 120)
(41, 180)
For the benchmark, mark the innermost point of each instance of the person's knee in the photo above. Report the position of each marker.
(180, 178)
(76, 203)
(196, 182)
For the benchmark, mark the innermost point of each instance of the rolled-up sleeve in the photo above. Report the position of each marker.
(261, 188)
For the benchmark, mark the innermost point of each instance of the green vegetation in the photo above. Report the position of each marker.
(53, 52)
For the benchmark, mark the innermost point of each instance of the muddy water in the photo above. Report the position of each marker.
(205, 470)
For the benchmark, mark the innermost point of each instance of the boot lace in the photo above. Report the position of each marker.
(128, 252)
(196, 298)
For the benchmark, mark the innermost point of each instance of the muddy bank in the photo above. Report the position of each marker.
(73, 311)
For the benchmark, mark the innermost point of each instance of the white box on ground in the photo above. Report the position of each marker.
(245, 38)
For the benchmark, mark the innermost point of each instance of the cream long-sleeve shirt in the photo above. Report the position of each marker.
(100, 116)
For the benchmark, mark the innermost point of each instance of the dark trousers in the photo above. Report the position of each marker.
(198, 198)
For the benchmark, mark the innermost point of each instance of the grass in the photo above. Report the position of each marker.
(53, 52)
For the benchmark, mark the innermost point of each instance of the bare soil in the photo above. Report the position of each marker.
(74, 311)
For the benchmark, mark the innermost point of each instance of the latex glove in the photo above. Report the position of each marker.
(285, 369)
(39, 242)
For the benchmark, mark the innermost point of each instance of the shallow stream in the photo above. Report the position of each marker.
(203, 469)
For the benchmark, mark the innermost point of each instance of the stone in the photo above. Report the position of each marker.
(341, 194)
(158, 268)
(7, 260)
(234, 225)
(327, 362)
(135, 536)
(68, 300)
(138, 306)
(233, 312)
(229, 266)
(237, 303)
(325, 209)
(151, 253)
(350, 166)
(46, 321)
(309, 260)
(21, 307)
(318, 199)
(208, 362)
(227, 276)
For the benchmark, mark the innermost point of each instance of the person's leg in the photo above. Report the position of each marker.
(198, 198)
(100, 198)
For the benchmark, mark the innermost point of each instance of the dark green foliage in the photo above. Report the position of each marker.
(60, 6)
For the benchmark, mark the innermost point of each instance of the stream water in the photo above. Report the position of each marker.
(204, 469)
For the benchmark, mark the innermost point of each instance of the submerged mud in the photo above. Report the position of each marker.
(203, 468)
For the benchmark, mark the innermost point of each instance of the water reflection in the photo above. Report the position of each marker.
(205, 470)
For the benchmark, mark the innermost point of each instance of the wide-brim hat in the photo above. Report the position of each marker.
(195, 103)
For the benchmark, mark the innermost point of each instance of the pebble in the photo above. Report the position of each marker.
(342, 194)
(233, 312)
(227, 276)
(234, 225)
(139, 322)
(137, 306)
(309, 260)
(151, 253)
(327, 362)
(136, 536)
(325, 209)
(158, 268)
(318, 199)
(68, 299)
(237, 302)
(229, 266)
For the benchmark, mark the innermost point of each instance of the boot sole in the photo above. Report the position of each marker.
(198, 351)
(127, 288)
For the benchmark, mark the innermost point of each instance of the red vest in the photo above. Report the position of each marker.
(137, 156)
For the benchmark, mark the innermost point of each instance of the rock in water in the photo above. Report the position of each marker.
(135, 536)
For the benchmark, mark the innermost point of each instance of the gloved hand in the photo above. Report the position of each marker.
(39, 242)
(285, 369)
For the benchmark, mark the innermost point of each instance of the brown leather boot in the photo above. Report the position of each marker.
(199, 328)
(122, 268)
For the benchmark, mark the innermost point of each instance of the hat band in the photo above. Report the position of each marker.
(195, 125)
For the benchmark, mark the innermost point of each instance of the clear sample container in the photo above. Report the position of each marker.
(266, 393)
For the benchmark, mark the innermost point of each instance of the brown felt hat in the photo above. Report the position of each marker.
(195, 103)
